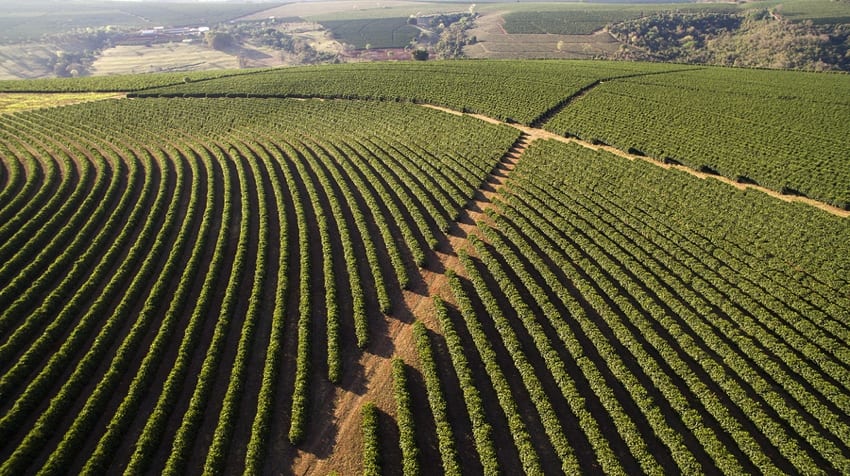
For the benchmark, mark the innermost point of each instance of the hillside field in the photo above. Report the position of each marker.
(449, 267)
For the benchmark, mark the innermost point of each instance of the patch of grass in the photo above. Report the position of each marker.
(16, 102)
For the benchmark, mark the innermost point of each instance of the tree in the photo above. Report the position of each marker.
(219, 40)
(420, 55)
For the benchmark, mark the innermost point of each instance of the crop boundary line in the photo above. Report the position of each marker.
(539, 121)
(536, 133)
(419, 304)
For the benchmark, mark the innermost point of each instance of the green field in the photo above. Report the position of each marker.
(373, 33)
(311, 270)
(117, 83)
(779, 129)
(818, 11)
(578, 22)
(16, 102)
(514, 91)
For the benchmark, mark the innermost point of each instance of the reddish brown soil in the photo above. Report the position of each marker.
(336, 444)
(535, 134)
(344, 454)
(341, 442)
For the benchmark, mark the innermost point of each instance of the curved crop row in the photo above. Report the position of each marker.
(714, 350)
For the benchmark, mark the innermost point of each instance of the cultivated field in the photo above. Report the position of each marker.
(536, 267)
(16, 102)
(128, 59)
(25, 61)
(493, 42)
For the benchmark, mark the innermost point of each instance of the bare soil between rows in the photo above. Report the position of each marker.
(341, 441)
(338, 447)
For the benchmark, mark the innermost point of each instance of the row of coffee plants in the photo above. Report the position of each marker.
(404, 416)
(115, 83)
(194, 239)
(783, 130)
(436, 400)
(518, 91)
(371, 443)
(733, 361)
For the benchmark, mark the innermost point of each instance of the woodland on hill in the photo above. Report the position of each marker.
(756, 38)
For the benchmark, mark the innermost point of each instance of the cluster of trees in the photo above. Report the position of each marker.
(67, 64)
(786, 45)
(444, 34)
(670, 35)
(753, 39)
(76, 50)
(230, 35)
(453, 38)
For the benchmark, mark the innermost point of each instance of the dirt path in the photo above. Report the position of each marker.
(337, 445)
(537, 133)
(342, 441)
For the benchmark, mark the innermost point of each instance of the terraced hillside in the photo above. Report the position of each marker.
(308, 270)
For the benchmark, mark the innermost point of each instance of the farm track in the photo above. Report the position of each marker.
(344, 446)
(322, 386)
(746, 380)
(547, 115)
(537, 133)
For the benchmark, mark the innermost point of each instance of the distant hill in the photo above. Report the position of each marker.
(43, 38)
